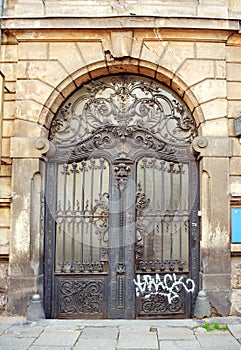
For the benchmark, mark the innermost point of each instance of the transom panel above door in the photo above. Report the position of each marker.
(121, 203)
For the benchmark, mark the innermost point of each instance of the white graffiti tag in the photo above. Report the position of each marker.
(168, 286)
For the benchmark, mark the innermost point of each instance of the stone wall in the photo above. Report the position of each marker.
(186, 8)
(45, 60)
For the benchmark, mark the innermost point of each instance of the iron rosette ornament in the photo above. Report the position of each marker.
(123, 102)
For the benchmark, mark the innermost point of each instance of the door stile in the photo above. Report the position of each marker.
(130, 240)
(194, 224)
(50, 238)
(113, 253)
(122, 244)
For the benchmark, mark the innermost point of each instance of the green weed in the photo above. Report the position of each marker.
(207, 327)
(215, 327)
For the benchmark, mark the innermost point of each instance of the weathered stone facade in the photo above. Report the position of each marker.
(49, 48)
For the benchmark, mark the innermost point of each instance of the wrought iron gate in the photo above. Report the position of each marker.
(121, 204)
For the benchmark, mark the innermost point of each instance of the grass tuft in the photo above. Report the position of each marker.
(215, 327)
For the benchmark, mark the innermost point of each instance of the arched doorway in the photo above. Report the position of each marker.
(122, 232)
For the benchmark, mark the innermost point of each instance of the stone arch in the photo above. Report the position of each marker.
(126, 65)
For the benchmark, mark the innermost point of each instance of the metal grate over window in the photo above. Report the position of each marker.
(82, 216)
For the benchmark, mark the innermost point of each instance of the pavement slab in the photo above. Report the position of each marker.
(35, 347)
(9, 341)
(53, 337)
(97, 338)
(137, 338)
(165, 333)
(100, 333)
(235, 329)
(62, 324)
(12, 320)
(4, 328)
(221, 339)
(19, 331)
(179, 344)
(95, 344)
(231, 347)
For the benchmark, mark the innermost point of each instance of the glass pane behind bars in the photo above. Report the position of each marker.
(162, 219)
(82, 216)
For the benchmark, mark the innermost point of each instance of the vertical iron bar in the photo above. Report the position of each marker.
(120, 289)
(181, 185)
(101, 173)
(154, 206)
(162, 163)
(92, 162)
(171, 241)
(171, 187)
(154, 183)
(74, 171)
(144, 161)
(101, 185)
(181, 213)
(65, 172)
(162, 239)
(171, 216)
(122, 172)
(121, 220)
(83, 163)
(162, 167)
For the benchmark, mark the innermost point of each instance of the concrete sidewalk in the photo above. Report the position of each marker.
(18, 334)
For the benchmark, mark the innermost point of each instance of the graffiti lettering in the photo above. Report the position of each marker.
(168, 286)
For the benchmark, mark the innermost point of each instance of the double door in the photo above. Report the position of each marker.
(121, 211)
(122, 237)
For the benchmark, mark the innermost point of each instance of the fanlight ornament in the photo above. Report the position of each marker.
(123, 102)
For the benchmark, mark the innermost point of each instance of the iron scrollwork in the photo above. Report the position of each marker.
(80, 296)
(157, 304)
(123, 101)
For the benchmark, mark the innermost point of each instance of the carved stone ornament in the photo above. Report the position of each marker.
(45, 146)
(199, 142)
(123, 102)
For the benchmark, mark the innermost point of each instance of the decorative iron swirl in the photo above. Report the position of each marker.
(81, 296)
(123, 101)
(157, 304)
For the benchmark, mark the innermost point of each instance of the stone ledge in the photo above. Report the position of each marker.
(5, 201)
(119, 22)
(28, 147)
(209, 146)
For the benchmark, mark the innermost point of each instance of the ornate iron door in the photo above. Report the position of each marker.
(121, 204)
(166, 253)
